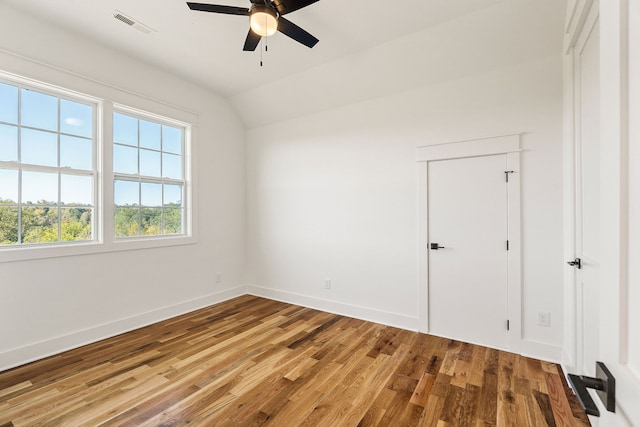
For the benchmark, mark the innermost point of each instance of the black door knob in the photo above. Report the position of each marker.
(575, 263)
(435, 247)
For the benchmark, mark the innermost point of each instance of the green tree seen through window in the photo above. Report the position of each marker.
(39, 223)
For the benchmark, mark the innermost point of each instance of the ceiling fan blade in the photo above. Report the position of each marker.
(216, 8)
(290, 29)
(251, 42)
(287, 6)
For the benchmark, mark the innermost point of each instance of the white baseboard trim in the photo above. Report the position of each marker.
(32, 352)
(364, 313)
(23, 355)
(539, 350)
(567, 362)
(534, 349)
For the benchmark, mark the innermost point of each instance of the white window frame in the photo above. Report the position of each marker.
(108, 97)
(186, 136)
(59, 93)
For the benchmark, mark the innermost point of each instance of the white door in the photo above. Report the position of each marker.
(606, 73)
(467, 216)
(587, 193)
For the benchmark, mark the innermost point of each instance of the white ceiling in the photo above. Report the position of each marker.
(358, 38)
(207, 47)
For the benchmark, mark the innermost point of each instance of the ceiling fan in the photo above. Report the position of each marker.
(265, 19)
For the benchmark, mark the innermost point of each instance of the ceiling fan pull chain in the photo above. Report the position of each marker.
(266, 42)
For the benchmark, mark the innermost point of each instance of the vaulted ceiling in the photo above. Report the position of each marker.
(367, 48)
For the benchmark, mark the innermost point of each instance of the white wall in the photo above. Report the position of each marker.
(333, 195)
(49, 305)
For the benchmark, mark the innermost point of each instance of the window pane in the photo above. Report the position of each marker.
(8, 103)
(125, 159)
(8, 225)
(126, 193)
(126, 222)
(8, 187)
(125, 129)
(171, 166)
(75, 224)
(171, 139)
(172, 221)
(8, 143)
(149, 135)
(75, 152)
(150, 163)
(76, 118)
(39, 224)
(151, 194)
(43, 136)
(76, 190)
(39, 148)
(151, 221)
(39, 110)
(39, 188)
(172, 195)
(148, 149)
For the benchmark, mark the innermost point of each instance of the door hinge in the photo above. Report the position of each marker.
(508, 325)
(507, 245)
(506, 175)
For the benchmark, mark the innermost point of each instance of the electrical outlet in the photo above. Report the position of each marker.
(327, 283)
(544, 318)
(218, 277)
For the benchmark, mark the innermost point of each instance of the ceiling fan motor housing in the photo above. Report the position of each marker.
(264, 19)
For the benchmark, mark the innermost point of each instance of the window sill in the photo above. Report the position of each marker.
(11, 254)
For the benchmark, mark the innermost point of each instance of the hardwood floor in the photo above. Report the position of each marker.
(252, 361)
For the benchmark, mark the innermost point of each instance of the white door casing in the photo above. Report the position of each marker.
(620, 266)
(468, 274)
(509, 146)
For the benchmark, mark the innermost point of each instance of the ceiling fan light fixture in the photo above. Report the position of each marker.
(264, 21)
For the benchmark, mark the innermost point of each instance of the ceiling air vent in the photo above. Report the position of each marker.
(132, 22)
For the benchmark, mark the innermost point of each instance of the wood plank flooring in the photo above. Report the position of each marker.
(252, 361)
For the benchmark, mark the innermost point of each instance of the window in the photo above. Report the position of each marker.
(47, 166)
(148, 167)
(70, 186)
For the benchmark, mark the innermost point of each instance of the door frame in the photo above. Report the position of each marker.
(620, 98)
(504, 144)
